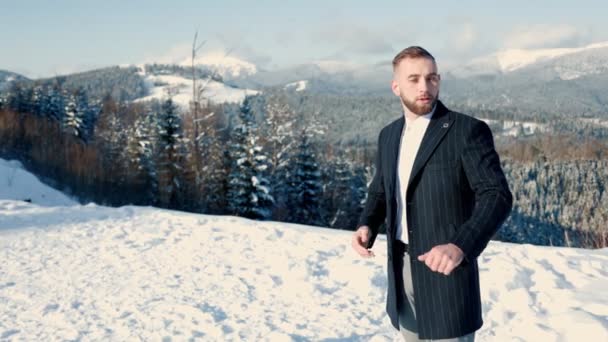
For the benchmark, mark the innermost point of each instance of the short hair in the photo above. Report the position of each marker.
(412, 52)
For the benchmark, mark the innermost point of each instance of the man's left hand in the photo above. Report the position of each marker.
(443, 258)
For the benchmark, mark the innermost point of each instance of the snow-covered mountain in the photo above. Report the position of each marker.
(180, 88)
(88, 272)
(7, 76)
(568, 62)
(223, 64)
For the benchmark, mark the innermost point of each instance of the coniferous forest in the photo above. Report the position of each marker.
(272, 157)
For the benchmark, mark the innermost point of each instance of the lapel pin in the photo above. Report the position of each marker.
(445, 125)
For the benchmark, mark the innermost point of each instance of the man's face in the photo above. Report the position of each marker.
(416, 83)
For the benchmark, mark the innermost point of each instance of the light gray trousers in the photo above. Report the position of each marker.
(407, 314)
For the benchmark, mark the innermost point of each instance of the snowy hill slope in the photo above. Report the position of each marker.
(18, 184)
(226, 65)
(88, 272)
(507, 61)
(92, 272)
(181, 90)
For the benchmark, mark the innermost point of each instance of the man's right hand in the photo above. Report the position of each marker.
(359, 242)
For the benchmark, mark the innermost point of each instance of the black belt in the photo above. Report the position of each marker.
(401, 248)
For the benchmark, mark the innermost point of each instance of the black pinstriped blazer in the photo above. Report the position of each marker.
(457, 193)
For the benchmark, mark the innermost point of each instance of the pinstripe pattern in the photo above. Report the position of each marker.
(457, 193)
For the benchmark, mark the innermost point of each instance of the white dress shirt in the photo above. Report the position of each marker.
(411, 136)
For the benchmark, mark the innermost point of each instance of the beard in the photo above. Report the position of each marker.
(419, 109)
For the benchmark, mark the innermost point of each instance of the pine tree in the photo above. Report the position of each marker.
(171, 154)
(345, 193)
(306, 185)
(140, 152)
(55, 103)
(73, 120)
(16, 99)
(249, 193)
(88, 113)
(38, 100)
(280, 142)
(215, 163)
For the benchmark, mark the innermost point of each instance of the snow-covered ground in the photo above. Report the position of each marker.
(87, 272)
(596, 121)
(180, 88)
(516, 128)
(18, 184)
(297, 86)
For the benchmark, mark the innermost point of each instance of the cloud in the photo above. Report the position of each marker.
(175, 54)
(463, 39)
(182, 52)
(352, 40)
(546, 36)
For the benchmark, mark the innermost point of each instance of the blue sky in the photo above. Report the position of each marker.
(45, 38)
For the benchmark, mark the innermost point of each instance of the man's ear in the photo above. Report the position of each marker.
(395, 88)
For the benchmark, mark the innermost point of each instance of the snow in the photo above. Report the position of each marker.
(181, 90)
(596, 121)
(515, 128)
(298, 85)
(140, 273)
(18, 184)
(223, 63)
(513, 59)
(333, 66)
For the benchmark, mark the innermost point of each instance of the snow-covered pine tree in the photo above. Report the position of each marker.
(280, 142)
(170, 155)
(15, 99)
(110, 136)
(88, 110)
(38, 100)
(215, 161)
(249, 193)
(73, 121)
(306, 181)
(55, 103)
(140, 151)
(346, 191)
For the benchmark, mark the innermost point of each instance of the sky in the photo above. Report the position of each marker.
(47, 38)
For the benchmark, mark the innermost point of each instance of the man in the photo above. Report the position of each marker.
(440, 187)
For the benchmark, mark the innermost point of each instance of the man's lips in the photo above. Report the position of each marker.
(424, 99)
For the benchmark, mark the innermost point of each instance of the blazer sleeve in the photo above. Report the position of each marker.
(493, 199)
(374, 212)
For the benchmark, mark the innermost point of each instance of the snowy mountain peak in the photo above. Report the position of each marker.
(334, 66)
(224, 64)
(514, 59)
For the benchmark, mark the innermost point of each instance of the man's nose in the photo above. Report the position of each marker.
(423, 86)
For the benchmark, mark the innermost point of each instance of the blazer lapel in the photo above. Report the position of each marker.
(393, 146)
(438, 126)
